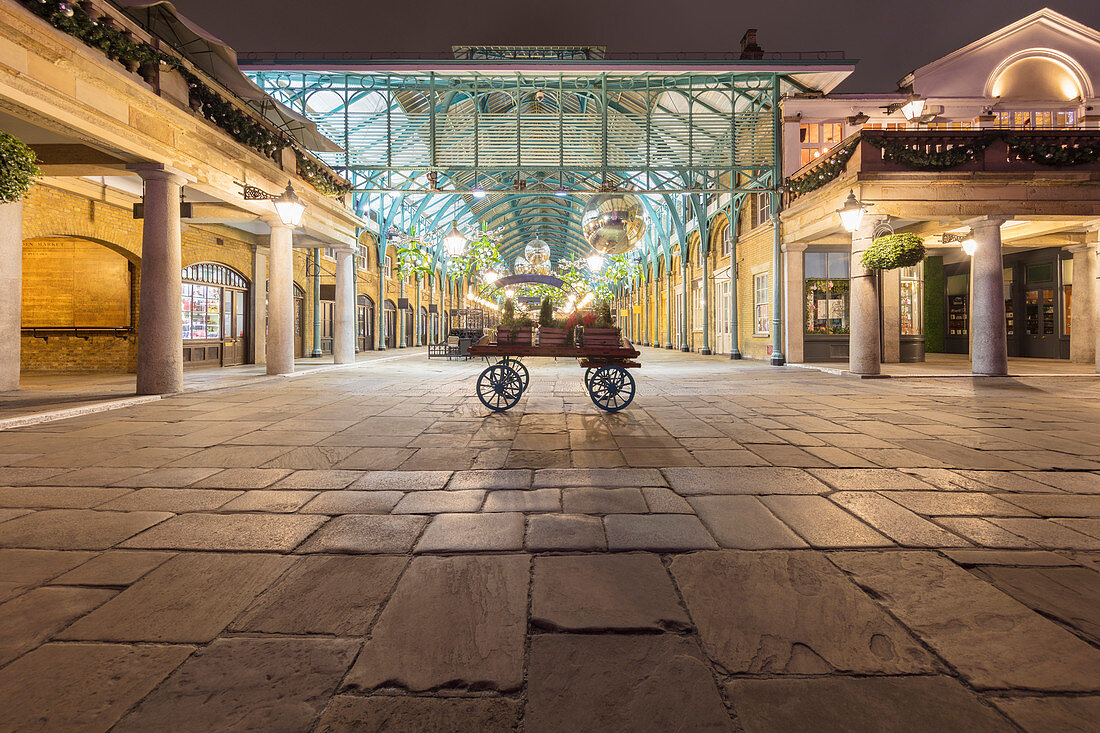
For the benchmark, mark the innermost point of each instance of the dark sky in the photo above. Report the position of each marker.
(889, 38)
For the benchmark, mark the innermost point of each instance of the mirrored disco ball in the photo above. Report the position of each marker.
(537, 252)
(521, 265)
(613, 223)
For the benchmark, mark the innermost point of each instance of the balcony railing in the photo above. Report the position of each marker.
(951, 151)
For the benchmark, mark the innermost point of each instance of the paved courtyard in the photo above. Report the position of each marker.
(743, 548)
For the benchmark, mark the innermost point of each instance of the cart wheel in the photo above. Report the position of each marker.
(517, 366)
(499, 387)
(588, 377)
(611, 388)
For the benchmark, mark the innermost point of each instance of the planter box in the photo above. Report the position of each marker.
(600, 337)
(550, 336)
(513, 335)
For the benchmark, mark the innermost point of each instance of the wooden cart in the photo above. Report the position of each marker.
(606, 378)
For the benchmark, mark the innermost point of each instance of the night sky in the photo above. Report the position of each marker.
(889, 38)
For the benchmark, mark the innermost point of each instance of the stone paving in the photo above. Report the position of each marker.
(743, 548)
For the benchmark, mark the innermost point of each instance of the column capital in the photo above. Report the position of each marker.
(794, 246)
(982, 222)
(1076, 248)
(160, 172)
(273, 221)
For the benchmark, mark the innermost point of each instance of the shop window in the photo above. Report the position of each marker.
(1010, 313)
(826, 292)
(958, 305)
(912, 298)
(761, 305)
(202, 311)
(817, 138)
(697, 305)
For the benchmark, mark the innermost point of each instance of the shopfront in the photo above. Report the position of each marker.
(364, 327)
(215, 315)
(299, 321)
(1038, 298)
(389, 319)
(825, 299)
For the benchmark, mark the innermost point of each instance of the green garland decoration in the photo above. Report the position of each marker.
(898, 152)
(825, 172)
(892, 251)
(18, 169)
(320, 177)
(1053, 154)
(119, 45)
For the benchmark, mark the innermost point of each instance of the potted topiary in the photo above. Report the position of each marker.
(551, 330)
(506, 329)
(603, 333)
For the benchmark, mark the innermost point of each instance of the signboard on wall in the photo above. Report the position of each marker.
(72, 283)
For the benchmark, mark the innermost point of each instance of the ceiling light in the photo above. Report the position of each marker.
(478, 192)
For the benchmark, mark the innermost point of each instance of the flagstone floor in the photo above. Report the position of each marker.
(743, 548)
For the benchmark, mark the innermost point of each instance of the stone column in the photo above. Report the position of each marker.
(989, 343)
(863, 341)
(1082, 326)
(160, 324)
(316, 302)
(685, 308)
(794, 271)
(891, 316)
(258, 305)
(669, 295)
(1095, 234)
(343, 337)
(280, 300)
(11, 293)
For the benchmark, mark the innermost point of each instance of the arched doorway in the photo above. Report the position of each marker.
(215, 315)
(364, 329)
(299, 321)
(389, 313)
(422, 325)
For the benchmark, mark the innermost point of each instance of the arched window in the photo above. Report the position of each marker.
(215, 314)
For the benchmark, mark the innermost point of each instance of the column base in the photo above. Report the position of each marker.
(735, 355)
(684, 349)
(315, 354)
(705, 352)
(669, 346)
(778, 360)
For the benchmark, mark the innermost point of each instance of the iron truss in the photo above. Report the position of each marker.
(524, 150)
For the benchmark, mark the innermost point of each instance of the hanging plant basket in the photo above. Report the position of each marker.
(18, 169)
(892, 251)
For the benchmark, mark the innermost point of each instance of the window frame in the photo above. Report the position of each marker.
(760, 286)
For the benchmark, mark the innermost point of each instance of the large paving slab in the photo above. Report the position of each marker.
(843, 704)
(190, 598)
(993, 640)
(31, 618)
(245, 532)
(621, 682)
(743, 522)
(599, 592)
(62, 687)
(339, 596)
(76, 529)
(452, 622)
(366, 534)
(383, 713)
(789, 613)
(247, 684)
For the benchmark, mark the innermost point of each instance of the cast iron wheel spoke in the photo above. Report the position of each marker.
(612, 388)
(499, 387)
(517, 366)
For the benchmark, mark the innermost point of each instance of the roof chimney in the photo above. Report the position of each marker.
(749, 47)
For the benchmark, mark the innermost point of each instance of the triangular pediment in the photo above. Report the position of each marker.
(971, 71)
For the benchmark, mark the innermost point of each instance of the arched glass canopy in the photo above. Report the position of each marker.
(520, 145)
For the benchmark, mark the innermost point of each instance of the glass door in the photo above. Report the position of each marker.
(1040, 323)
